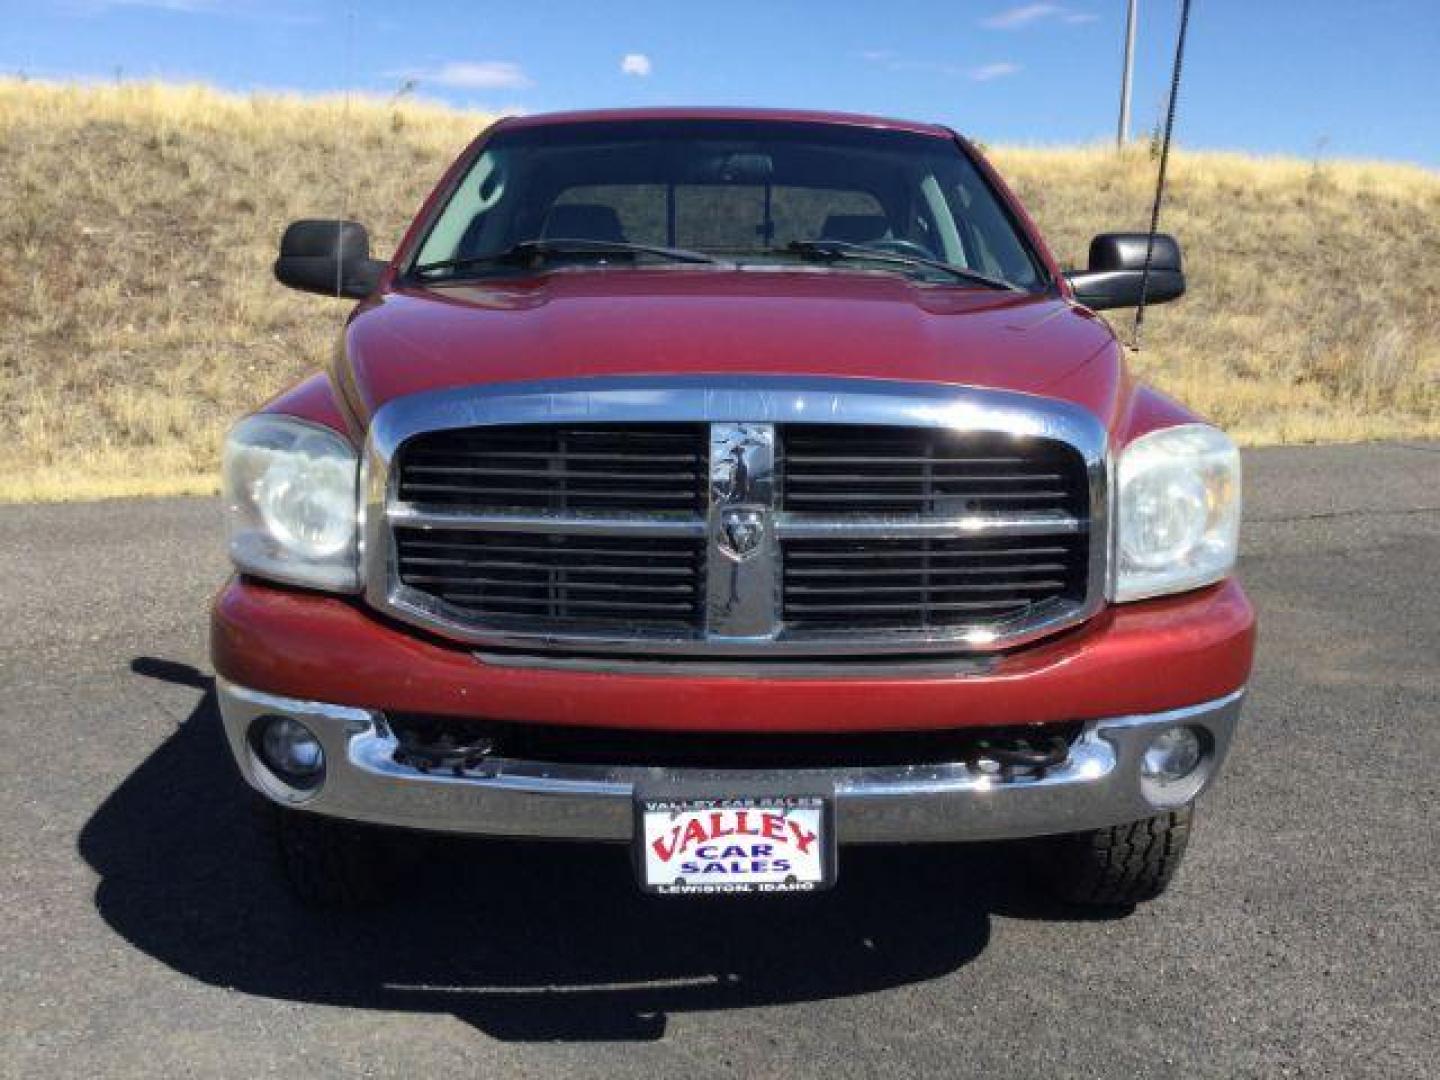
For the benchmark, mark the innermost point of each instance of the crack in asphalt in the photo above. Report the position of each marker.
(1327, 515)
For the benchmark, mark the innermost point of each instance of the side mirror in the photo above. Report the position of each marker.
(331, 258)
(1117, 264)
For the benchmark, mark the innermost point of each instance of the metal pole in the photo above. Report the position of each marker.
(1122, 134)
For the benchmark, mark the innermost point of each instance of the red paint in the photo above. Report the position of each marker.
(315, 400)
(1133, 658)
(576, 323)
(1150, 410)
(777, 116)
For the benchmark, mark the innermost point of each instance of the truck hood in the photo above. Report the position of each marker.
(573, 324)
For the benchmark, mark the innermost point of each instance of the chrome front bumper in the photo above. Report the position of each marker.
(1100, 784)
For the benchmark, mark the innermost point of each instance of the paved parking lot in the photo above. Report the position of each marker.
(144, 933)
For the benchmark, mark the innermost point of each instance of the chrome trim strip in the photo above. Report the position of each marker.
(728, 403)
(1099, 786)
(640, 525)
(825, 526)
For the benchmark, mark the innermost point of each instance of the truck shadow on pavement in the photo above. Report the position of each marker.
(525, 941)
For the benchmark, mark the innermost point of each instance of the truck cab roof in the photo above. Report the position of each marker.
(791, 116)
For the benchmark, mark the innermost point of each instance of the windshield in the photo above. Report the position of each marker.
(753, 192)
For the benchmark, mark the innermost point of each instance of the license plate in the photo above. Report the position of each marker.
(691, 846)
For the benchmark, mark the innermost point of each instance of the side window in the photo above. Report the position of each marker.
(461, 228)
(987, 235)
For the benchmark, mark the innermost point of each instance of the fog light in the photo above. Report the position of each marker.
(1172, 756)
(292, 750)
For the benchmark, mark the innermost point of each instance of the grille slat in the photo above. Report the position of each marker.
(949, 606)
(931, 572)
(422, 454)
(798, 554)
(460, 564)
(512, 550)
(805, 500)
(506, 496)
(497, 586)
(892, 459)
(557, 474)
(910, 478)
(927, 588)
(572, 605)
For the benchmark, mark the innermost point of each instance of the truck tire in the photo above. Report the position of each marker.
(333, 864)
(1119, 866)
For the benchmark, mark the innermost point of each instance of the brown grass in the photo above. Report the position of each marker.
(138, 317)
(1314, 306)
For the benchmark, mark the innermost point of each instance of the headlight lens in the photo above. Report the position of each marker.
(291, 496)
(1178, 516)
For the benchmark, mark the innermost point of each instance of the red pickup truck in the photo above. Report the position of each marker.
(736, 485)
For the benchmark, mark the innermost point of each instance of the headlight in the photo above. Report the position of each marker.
(1178, 511)
(291, 496)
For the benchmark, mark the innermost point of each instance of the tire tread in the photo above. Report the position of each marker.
(1122, 865)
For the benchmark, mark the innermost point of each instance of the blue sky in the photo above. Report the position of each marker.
(1333, 78)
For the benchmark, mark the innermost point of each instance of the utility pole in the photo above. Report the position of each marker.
(1122, 134)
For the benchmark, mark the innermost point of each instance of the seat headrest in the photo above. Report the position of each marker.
(583, 221)
(855, 228)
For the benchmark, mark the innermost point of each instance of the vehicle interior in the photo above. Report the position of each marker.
(747, 195)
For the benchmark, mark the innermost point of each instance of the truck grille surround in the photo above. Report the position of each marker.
(750, 517)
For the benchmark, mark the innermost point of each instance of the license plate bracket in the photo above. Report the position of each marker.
(687, 845)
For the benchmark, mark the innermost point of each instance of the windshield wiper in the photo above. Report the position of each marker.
(535, 252)
(837, 250)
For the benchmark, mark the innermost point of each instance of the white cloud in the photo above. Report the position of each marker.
(471, 75)
(997, 70)
(637, 64)
(889, 60)
(1016, 17)
(1023, 15)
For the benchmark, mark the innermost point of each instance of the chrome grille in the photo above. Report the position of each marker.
(852, 469)
(557, 579)
(559, 468)
(742, 516)
(927, 582)
(855, 473)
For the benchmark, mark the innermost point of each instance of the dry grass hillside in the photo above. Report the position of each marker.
(138, 316)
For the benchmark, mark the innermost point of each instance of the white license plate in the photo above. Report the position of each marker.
(737, 845)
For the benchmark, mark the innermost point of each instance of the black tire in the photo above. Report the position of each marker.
(333, 864)
(1120, 866)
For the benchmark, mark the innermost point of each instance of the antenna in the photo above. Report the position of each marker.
(1164, 164)
(345, 178)
(1122, 131)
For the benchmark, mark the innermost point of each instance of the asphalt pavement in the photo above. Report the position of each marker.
(143, 931)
